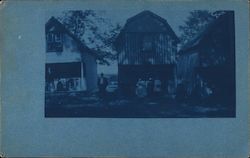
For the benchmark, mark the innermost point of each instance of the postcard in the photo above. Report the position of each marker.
(124, 78)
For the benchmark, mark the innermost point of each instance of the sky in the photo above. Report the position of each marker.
(175, 18)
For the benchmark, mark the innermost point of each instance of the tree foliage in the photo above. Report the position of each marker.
(96, 31)
(197, 21)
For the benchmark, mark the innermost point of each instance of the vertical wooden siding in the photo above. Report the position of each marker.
(131, 51)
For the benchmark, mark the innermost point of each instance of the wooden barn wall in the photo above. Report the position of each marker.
(131, 51)
(186, 67)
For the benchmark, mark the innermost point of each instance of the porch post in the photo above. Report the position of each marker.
(83, 81)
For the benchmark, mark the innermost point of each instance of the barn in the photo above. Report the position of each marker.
(146, 48)
(208, 61)
(70, 65)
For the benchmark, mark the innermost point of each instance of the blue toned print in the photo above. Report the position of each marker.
(140, 68)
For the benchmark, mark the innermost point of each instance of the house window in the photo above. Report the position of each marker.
(49, 37)
(58, 37)
(147, 43)
(54, 42)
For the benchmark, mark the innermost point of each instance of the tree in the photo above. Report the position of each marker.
(93, 29)
(196, 22)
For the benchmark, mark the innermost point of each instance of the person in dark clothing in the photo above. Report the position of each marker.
(157, 87)
(150, 87)
(60, 86)
(102, 84)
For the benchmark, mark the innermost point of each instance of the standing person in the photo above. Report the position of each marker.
(150, 87)
(102, 84)
(60, 85)
(181, 91)
(140, 90)
(157, 86)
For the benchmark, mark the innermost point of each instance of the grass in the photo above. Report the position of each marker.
(116, 106)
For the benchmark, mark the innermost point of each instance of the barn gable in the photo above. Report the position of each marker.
(146, 49)
(146, 22)
(146, 38)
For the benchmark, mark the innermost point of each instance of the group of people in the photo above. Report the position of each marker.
(148, 87)
(199, 91)
(63, 84)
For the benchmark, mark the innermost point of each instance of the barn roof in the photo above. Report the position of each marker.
(54, 22)
(221, 21)
(143, 23)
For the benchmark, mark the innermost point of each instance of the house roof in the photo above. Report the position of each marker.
(143, 23)
(54, 22)
(197, 40)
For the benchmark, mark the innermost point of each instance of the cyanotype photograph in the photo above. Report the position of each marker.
(144, 64)
(119, 78)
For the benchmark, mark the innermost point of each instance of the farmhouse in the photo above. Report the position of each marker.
(146, 48)
(70, 64)
(209, 60)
